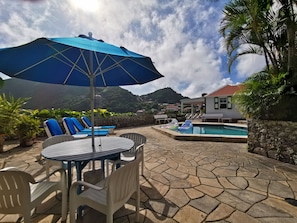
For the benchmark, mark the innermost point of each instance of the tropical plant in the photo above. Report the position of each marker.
(261, 93)
(28, 128)
(268, 28)
(10, 109)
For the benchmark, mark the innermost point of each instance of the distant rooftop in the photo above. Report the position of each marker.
(226, 90)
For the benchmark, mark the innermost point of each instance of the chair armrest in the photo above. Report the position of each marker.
(119, 162)
(11, 168)
(77, 184)
(62, 172)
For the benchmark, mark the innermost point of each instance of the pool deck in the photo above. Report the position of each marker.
(204, 137)
(188, 182)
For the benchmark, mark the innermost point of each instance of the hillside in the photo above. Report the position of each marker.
(166, 95)
(116, 99)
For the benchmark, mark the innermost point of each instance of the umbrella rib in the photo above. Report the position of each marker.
(70, 64)
(143, 66)
(72, 68)
(36, 64)
(99, 68)
(116, 64)
(86, 63)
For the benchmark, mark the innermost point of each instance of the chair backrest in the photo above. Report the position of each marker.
(14, 190)
(56, 139)
(69, 126)
(187, 123)
(52, 127)
(136, 137)
(122, 183)
(77, 124)
(86, 121)
(139, 152)
(174, 121)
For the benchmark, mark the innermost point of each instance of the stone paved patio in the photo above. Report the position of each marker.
(189, 181)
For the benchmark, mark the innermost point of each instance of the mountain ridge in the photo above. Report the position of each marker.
(116, 99)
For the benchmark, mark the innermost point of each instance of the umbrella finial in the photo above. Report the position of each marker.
(90, 35)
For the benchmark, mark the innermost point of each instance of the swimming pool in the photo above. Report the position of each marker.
(217, 132)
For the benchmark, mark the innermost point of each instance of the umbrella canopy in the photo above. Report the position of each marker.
(80, 61)
(74, 61)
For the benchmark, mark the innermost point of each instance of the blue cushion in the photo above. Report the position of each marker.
(77, 124)
(54, 127)
(87, 120)
(89, 123)
(71, 126)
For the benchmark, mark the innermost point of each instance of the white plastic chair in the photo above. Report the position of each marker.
(51, 141)
(52, 127)
(20, 193)
(130, 155)
(108, 195)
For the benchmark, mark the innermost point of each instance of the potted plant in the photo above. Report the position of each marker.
(28, 128)
(9, 112)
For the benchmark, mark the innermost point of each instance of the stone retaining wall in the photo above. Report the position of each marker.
(126, 121)
(273, 139)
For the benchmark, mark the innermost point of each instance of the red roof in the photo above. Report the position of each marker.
(226, 90)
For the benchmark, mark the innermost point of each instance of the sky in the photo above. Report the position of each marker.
(180, 36)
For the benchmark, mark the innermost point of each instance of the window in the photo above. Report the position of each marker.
(223, 103)
(229, 102)
(216, 103)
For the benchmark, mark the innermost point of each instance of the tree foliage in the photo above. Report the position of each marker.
(267, 28)
(261, 93)
(10, 110)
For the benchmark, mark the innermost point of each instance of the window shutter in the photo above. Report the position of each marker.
(216, 103)
(229, 102)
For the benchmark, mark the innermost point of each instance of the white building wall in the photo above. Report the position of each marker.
(228, 113)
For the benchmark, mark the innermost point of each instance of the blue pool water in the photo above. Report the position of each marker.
(217, 130)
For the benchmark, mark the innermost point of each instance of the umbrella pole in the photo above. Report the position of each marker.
(92, 116)
(92, 111)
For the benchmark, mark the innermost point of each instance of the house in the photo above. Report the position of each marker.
(220, 102)
(172, 107)
(217, 105)
(193, 105)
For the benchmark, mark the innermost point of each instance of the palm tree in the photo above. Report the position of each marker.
(268, 28)
(248, 28)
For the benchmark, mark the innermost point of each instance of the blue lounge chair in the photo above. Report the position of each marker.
(186, 127)
(52, 127)
(88, 124)
(71, 128)
(80, 127)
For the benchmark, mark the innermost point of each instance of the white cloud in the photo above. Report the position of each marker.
(249, 64)
(181, 37)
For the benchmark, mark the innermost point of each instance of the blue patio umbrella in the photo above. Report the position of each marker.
(79, 61)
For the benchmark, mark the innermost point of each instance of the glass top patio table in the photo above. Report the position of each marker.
(81, 152)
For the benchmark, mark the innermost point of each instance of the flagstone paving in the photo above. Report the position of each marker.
(188, 181)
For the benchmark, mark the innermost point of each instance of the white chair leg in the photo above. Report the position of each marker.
(64, 204)
(107, 168)
(142, 167)
(109, 218)
(47, 166)
(72, 210)
(27, 217)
